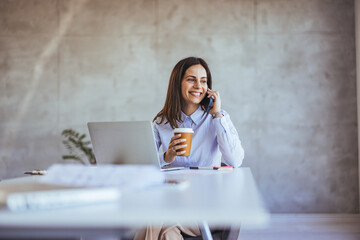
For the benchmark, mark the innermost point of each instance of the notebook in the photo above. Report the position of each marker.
(127, 142)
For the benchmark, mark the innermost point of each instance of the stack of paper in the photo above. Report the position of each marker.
(124, 177)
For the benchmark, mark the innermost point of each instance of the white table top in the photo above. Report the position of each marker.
(218, 197)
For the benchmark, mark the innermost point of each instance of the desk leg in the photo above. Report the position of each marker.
(205, 231)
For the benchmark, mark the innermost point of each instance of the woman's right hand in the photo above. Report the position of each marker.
(173, 149)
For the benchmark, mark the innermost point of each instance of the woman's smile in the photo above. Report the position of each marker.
(195, 94)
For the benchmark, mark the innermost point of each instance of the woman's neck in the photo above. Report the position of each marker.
(190, 109)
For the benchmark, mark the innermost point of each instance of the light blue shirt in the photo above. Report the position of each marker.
(212, 139)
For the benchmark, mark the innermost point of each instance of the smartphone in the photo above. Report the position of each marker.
(210, 103)
(207, 102)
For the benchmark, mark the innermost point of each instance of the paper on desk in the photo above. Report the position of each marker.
(125, 177)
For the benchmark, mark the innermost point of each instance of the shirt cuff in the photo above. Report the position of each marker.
(162, 161)
(221, 124)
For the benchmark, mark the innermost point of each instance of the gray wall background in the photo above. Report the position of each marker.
(285, 70)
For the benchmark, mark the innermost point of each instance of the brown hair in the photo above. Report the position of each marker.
(172, 108)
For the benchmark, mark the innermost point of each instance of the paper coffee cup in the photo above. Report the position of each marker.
(187, 134)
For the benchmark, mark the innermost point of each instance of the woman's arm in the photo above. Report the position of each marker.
(227, 136)
(228, 140)
(158, 144)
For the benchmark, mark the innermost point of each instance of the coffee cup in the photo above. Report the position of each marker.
(186, 133)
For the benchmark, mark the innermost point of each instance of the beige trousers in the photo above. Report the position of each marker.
(166, 232)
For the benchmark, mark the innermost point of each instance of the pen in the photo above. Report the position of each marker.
(213, 168)
(36, 172)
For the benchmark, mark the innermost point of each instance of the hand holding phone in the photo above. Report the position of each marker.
(214, 101)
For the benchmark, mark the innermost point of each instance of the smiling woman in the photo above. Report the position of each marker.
(188, 105)
(187, 98)
(174, 102)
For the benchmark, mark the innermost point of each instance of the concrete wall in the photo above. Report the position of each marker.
(285, 71)
(357, 32)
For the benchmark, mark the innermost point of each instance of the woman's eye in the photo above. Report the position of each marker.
(203, 81)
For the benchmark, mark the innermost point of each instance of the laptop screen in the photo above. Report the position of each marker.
(130, 142)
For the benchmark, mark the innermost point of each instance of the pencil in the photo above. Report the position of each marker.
(36, 172)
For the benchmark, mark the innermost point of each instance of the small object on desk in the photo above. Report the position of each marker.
(177, 184)
(36, 172)
(214, 168)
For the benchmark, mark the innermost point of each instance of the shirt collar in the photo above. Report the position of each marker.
(195, 117)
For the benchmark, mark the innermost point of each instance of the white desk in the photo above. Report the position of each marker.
(218, 197)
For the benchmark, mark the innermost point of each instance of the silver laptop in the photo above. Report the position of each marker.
(130, 142)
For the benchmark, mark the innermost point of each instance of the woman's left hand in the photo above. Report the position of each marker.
(215, 95)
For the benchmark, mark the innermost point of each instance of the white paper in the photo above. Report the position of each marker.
(125, 177)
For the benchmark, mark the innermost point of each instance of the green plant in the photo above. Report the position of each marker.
(77, 147)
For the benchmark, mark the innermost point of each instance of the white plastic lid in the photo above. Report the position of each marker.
(183, 130)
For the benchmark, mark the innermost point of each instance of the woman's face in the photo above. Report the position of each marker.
(194, 85)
